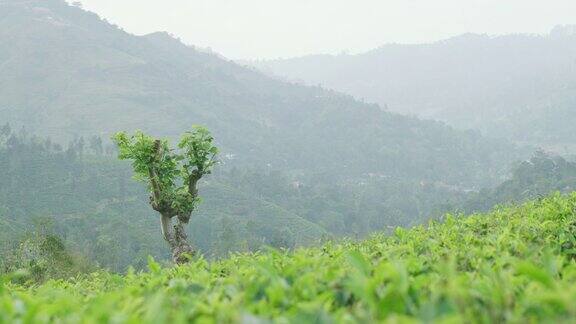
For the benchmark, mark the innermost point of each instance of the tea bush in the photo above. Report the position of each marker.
(515, 264)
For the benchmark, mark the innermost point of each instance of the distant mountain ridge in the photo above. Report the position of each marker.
(64, 73)
(522, 87)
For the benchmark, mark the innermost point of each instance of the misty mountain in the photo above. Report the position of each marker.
(522, 87)
(299, 163)
(65, 73)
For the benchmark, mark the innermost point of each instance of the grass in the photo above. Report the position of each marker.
(515, 264)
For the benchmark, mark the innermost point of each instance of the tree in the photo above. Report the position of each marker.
(172, 176)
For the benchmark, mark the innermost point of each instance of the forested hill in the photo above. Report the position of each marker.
(531, 179)
(520, 86)
(298, 163)
(88, 200)
(64, 73)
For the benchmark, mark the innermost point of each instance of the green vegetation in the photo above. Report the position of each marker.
(92, 204)
(299, 164)
(299, 168)
(43, 256)
(516, 264)
(534, 103)
(172, 177)
(536, 177)
(116, 81)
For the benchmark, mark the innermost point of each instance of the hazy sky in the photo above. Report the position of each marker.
(285, 28)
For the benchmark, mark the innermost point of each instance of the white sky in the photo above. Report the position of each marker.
(250, 29)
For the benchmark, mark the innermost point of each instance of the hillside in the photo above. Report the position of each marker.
(147, 180)
(299, 163)
(514, 264)
(86, 197)
(522, 87)
(90, 201)
(66, 73)
(531, 179)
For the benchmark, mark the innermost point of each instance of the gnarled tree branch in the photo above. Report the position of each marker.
(154, 180)
(173, 178)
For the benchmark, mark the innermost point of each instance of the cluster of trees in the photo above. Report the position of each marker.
(40, 255)
(100, 213)
(533, 178)
(350, 208)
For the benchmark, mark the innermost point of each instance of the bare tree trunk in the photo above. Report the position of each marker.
(178, 240)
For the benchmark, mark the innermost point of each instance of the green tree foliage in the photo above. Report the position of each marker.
(515, 264)
(100, 213)
(88, 199)
(41, 255)
(172, 177)
(536, 177)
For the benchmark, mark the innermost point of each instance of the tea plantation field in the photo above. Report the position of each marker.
(515, 264)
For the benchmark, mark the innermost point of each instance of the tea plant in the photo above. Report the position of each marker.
(515, 264)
